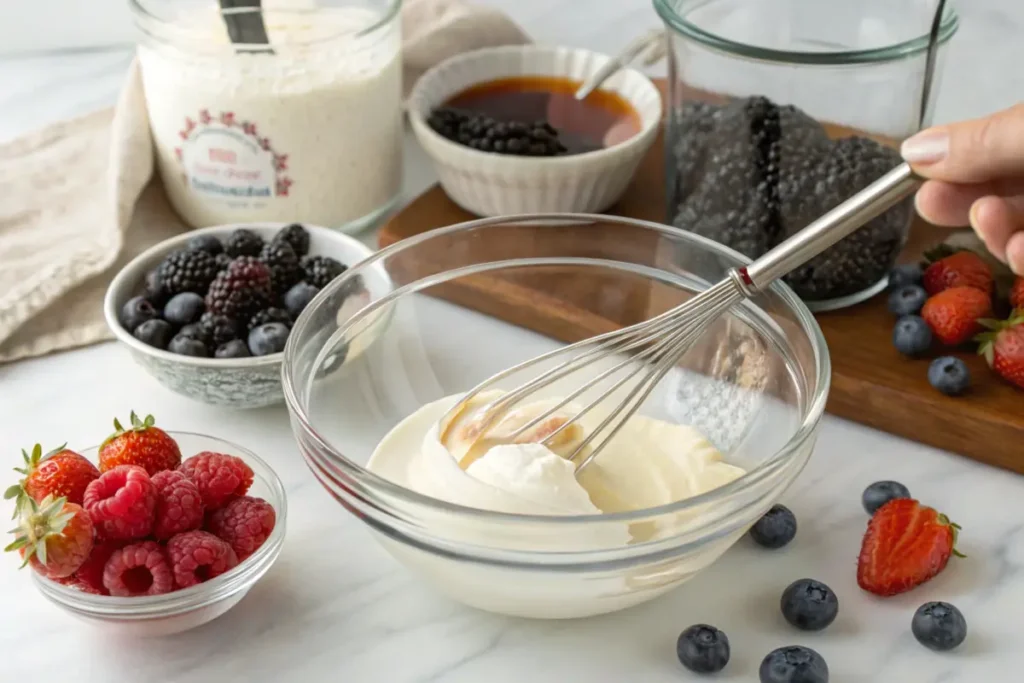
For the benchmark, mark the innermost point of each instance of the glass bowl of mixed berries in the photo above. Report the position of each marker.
(208, 313)
(151, 532)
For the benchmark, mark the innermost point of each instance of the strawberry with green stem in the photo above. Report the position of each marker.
(1002, 346)
(142, 444)
(60, 473)
(55, 537)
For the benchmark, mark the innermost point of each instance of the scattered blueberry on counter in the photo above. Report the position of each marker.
(809, 605)
(881, 492)
(912, 336)
(939, 626)
(949, 375)
(232, 299)
(775, 529)
(703, 649)
(793, 664)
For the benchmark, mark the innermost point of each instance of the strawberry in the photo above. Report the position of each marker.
(957, 269)
(1017, 295)
(54, 536)
(906, 545)
(953, 314)
(142, 445)
(60, 473)
(1003, 347)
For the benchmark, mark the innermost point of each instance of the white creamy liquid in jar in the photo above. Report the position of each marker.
(311, 133)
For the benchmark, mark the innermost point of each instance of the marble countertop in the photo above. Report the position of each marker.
(337, 608)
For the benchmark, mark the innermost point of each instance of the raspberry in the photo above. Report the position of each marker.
(121, 503)
(198, 556)
(91, 572)
(219, 477)
(244, 523)
(138, 569)
(179, 507)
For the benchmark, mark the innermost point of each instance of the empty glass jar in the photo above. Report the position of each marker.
(781, 109)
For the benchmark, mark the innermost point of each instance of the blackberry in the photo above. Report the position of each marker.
(863, 258)
(729, 185)
(295, 235)
(187, 271)
(483, 133)
(285, 270)
(223, 260)
(208, 243)
(240, 290)
(218, 329)
(320, 270)
(243, 242)
(270, 315)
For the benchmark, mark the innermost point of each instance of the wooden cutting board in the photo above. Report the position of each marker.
(871, 383)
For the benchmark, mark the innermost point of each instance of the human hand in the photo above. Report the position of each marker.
(976, 177)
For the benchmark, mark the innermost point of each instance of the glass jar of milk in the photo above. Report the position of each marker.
(304, 128)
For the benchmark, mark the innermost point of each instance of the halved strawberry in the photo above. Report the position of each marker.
(906, 545)
(1003, 347)
(956, 268)
(953, 314)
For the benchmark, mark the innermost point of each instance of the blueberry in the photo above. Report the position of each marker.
(809, 605)
(907, 300)
(192, 331)
(135, 312)
(267, 338)
(703, 649)
(939, 626)
(154, 332)
(949, 375)
(881, 492)
(298, 297)
(905, 274)
(188, 346)
(207, 243)
(911, 336)
(776, 529)
(236, 348)
(184, 308)
(793, 664)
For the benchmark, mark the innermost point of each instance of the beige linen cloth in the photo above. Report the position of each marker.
(79, 199)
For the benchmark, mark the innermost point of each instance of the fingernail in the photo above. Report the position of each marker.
(927, 147)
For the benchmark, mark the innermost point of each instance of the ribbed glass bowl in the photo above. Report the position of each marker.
(181, 610)
(755, 384)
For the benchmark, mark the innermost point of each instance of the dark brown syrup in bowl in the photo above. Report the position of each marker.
(601, 120)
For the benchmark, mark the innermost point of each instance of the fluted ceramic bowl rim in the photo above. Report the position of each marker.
(811, 415)
(178, 602)
(134, 272)
(422, 98)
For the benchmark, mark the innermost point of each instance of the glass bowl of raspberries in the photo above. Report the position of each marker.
(207, 313)
(151, 532)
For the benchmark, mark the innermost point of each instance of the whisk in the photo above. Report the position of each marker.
(659, 343)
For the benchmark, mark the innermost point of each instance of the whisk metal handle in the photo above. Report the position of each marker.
(819, 235)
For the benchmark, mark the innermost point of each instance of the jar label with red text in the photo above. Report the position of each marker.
(227, 158)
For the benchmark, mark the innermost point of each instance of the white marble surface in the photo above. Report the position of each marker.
(336, 608)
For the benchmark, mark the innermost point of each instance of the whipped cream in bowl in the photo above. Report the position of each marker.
(506, 523)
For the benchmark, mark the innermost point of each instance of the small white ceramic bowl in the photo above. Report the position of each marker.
(234, 382)
(181, 610)
(490, 184)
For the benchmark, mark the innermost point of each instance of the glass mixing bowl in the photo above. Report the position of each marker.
(464, 296)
